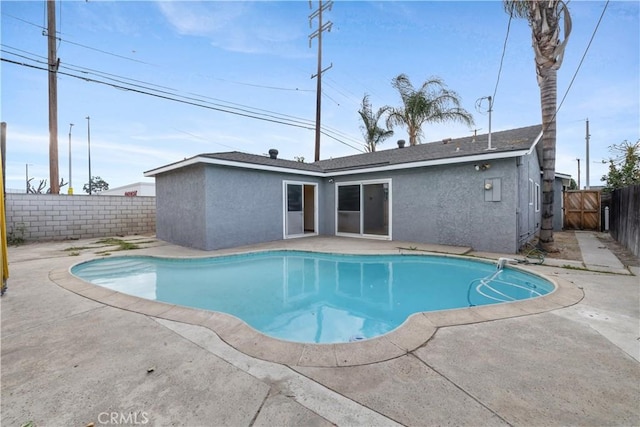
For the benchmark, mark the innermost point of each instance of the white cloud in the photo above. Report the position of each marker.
(201, 19)
(238, 26)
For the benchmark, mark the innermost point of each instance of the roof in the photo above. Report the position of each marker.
(238, 156)
(509, 143)
(505, 141)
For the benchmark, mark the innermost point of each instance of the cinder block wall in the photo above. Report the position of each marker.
(59, 217)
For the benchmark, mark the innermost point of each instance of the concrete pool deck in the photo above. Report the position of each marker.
(73, 354)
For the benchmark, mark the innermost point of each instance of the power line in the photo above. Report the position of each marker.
(119, 79)
(342, 134)
(205, 139)
(583, 56)
(192, 101)
(110, 76)
(104, 75)
(77, 68)
(60, 39)
(504, 49)
(349, 98)
(324, 93)
(492, 99)
(42, 27)
(555, 114)
(105, 52)
(160, 95)
(261, 86)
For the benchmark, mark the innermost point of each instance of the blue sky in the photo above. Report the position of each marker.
(256, 57)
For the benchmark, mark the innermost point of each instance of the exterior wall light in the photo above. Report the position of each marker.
(482, 167)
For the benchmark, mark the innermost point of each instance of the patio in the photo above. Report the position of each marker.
(71, 360)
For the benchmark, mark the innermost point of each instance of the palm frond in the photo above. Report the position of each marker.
(372, 133)
(431, 102)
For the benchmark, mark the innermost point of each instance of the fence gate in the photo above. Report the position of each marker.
(582, 210)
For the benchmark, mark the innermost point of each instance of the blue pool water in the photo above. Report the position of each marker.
(312, 297)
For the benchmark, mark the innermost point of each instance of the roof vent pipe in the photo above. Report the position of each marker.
(401, 143)
(273, 153)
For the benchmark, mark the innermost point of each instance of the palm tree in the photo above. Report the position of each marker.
(544, 20)
(373, 134)
(431, 103)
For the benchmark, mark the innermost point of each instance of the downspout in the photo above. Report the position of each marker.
(518, 210)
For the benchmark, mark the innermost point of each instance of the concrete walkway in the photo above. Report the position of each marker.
(596, 256)
(68, 360)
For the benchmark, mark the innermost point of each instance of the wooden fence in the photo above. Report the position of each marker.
(582, 210)
(624, 217)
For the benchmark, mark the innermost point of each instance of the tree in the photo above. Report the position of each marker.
(33, 190)
(624, 168)
(43, 183)
(372, 133)
(97, 185)
(430, 103)
(573, 185)
(544, 18)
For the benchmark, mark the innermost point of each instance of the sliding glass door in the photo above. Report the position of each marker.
(349, 209)
(363, 208)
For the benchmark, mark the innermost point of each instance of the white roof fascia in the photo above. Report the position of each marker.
(350, 171)
(563, 175)
(538, 138)
(178, 165)
(231, 163)
(425, 163)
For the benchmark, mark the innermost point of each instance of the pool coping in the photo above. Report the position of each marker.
(416, 331)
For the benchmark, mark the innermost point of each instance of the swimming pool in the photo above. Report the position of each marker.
(316, 297)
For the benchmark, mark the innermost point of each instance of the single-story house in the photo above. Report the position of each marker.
(473, 191)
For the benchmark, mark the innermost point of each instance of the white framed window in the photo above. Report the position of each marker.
(537, 197)
(531, 190)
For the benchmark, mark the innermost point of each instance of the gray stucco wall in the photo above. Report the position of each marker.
(180, 207)
(528, 218)
(446, 205)
(214, 207)
(244, 206)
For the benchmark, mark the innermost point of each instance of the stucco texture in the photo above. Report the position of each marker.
(180, 207)
(215, 207)
(446, 205)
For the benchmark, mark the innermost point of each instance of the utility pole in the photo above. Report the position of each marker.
(89, 148)
(26, 177)
(318, 33)
(587, 159)
(578, 173)
(70, 191)
(54, 180)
